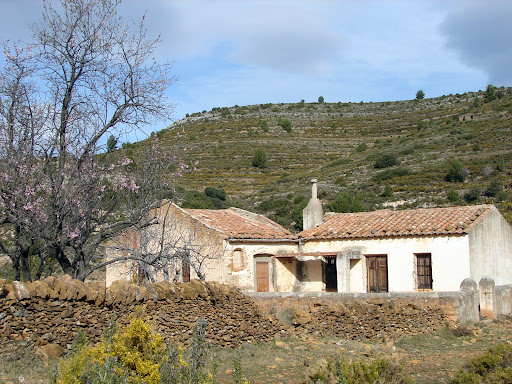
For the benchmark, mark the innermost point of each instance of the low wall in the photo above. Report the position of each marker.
(53, 311)
(378, 316)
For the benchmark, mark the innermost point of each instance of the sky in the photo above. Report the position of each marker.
(244, 52)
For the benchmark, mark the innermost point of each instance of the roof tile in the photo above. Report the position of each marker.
(387, 223)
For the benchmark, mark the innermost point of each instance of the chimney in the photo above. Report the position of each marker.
(313, 215)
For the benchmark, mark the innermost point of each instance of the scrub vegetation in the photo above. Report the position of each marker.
(428, 151)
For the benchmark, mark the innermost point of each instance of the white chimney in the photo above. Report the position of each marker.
(313, 215)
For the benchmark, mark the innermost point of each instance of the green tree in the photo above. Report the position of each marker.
(386, 160)
(453, 195)
(264, 125)
(286, 125)
(457, 172)
(321, 100)
(494, 188)
(473, 194)
(362, 147)
(111, 143)
(259, 159)
(388, 191)
(345, 202)
(420, 95)
(490, 93)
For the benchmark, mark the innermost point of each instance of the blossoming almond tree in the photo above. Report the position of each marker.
(86, 75)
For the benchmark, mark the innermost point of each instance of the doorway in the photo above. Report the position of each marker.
(377, 272)
(331, 276)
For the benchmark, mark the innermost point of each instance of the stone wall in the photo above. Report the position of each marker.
(53, 311)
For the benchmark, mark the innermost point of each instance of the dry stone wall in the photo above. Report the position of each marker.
(54, 310)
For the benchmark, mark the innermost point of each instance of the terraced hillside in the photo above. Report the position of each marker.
(341, 144)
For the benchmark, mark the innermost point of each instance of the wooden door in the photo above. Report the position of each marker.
(262, 276)
(377, 270)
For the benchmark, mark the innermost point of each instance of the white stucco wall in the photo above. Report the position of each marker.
(490, 244)
(282, 275)
(450, 261)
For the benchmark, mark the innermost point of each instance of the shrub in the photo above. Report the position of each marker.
(286, 125)
(457, 172)
(473, 194)
(138, 355)
(420, 95)
(391, 174)
(321, 100)
(215, 193)
(385, 160)
(382, 371)
(494, 188)
(453, 195)
(264, 125)
(495, 366)
(345, 202)
(259, 159)
(362, 147)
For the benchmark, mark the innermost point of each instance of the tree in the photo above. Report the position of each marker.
(259, 159)
(111, 143)
(321, 100)
(457, 172)
(286, 125)
(345, 202)
(490, 93)
(420, 95)
(385, 160)
(87, 74)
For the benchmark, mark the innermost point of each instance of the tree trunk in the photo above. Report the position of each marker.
(25, 265)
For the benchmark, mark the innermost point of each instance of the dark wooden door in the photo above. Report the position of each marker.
(377, 269)
(331, 277)
(262, 276)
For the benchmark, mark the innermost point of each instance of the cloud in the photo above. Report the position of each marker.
(481, 33)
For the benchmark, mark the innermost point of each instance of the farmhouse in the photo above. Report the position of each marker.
(431, 249)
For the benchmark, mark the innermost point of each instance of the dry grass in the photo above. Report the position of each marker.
(432, 358)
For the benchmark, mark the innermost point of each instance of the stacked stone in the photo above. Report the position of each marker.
(369, 321)
(55, 310)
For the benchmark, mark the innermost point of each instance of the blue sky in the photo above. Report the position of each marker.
(253, 51)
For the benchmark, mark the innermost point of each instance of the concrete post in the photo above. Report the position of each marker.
(470, 311)
(487, 297)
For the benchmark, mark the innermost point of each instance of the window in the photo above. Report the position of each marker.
(424, 270)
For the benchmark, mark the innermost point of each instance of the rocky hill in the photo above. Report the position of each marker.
(381, 154)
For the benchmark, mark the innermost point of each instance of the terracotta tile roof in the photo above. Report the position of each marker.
(387, 223)
(236, 223)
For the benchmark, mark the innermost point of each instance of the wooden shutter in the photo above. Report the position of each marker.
(424, 270)
(377, 271)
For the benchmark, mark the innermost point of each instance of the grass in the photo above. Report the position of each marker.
(430, 358)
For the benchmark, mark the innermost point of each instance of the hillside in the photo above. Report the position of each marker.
(380, 154)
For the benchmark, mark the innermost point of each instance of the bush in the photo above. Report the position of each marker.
(385, 160)
(457, 172)
(495, 366)
(361, 147)
(453, 195)
(345, 202)
(286, 125)
(381, 371)
(264, 126)
(259, 159)
(473, 194)
(420, 95)
(321, 100)
(494, 188)
(391, 174)
(215, 193)
(137, 355)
